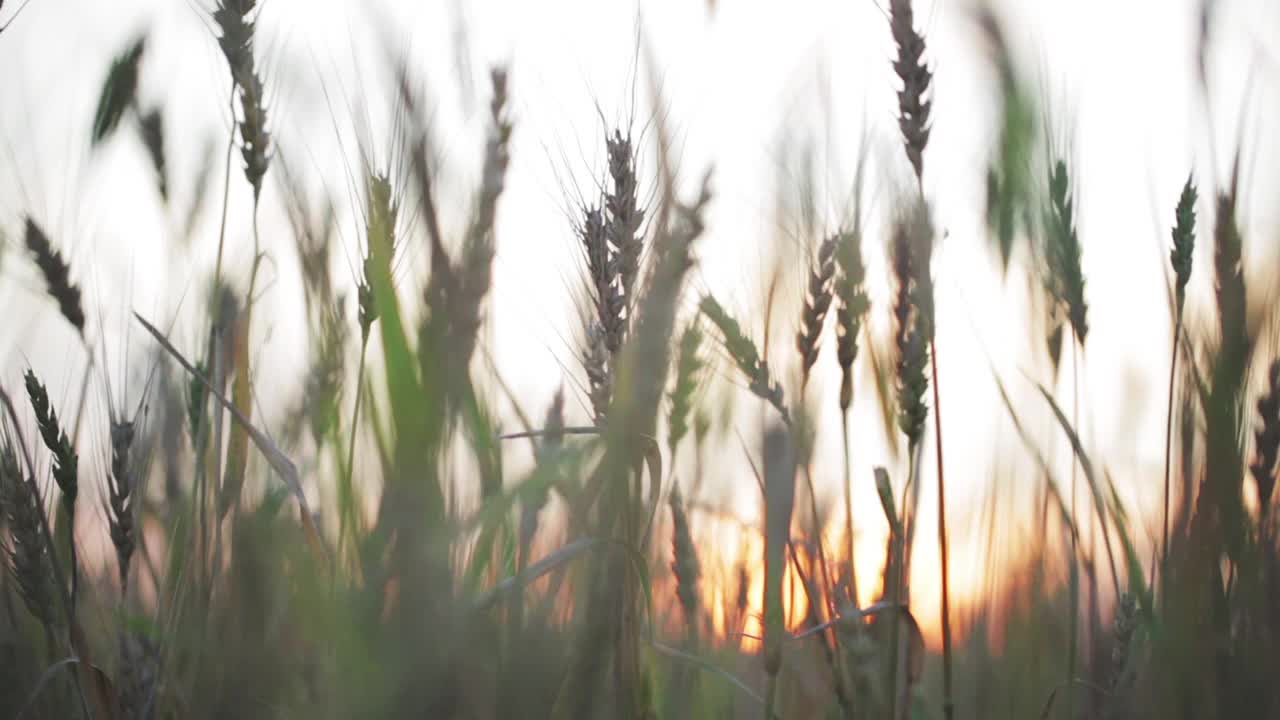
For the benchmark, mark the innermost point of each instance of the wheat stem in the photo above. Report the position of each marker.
(948, 706)
(848, 507)
(1168, 448)
(345, 520)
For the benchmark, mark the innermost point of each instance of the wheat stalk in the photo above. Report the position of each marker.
(1180, 256)
(779, 497)
(552, 440)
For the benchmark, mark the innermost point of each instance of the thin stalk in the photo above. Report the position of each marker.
(825, 576)
(948, 705)
(1074, 624)
(1168, 448)
(75, 432)
(899, 592)
(248, 314)
(833, 658)
(215, 356)
(344, 519)
(848, 507)
(829, 653)
(1098, 520)
(226, 184)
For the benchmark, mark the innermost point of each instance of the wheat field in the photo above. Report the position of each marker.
(317, 468)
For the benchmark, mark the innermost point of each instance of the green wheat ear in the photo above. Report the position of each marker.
(118, 91)
(1063, 251)
(65, 459)
(1184, 240)
(688, 374)
(57, 275)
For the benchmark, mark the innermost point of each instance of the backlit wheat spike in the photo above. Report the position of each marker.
(26, 555)
(57, 275)
(913, 101)
(120, 498)
(817, 302)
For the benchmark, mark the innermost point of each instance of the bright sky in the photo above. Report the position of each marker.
(744, 88)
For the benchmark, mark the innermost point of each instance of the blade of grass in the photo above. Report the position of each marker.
(279, 462)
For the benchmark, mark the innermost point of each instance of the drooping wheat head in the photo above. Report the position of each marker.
(118, 91)
(151, 130)
(745, 356)
(57, 275)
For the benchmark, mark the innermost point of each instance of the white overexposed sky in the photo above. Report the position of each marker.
(745, 85)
